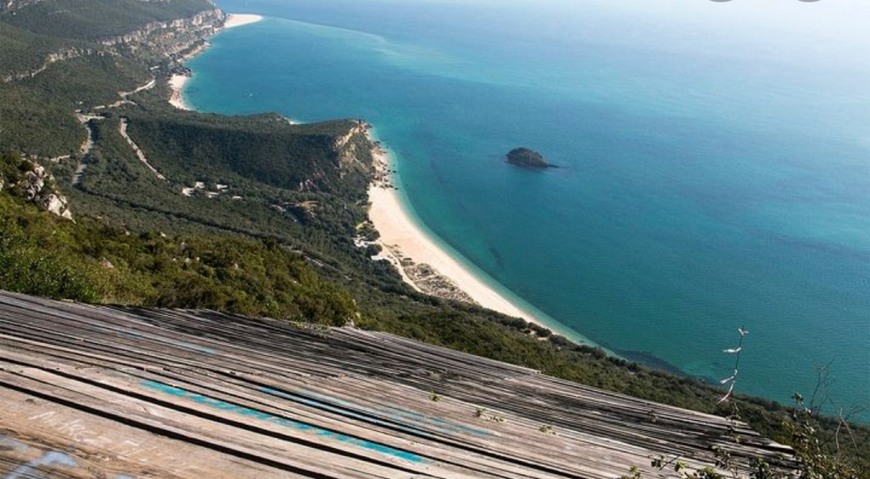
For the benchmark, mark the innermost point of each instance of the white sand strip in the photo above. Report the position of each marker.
(397, 229)
(239, 19)
(176, 84)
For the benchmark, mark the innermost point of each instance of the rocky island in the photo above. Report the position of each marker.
(529, 158)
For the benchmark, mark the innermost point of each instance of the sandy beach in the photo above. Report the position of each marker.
(402, 238)
(176, 82)
(239, 19)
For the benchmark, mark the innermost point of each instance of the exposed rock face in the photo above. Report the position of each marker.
(56, 204)
(37, 186)
(349, 152)
(32, 183)
(175, 39)
(172, 39)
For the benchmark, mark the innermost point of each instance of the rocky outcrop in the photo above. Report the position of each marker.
(56, 204)
(354, 149)
(32, 183)
(173, 39)
(36, 185)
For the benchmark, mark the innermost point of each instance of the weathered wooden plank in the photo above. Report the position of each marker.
(309, 460)
(99, 448)
(257, 390)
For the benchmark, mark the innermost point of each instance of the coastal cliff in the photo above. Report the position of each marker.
(354, 150)
(50, 59)
(107, 130)
(149, 41)
(173, 39)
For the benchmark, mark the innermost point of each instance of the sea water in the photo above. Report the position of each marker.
(714, 160)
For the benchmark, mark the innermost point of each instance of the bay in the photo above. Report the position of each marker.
(714, 169)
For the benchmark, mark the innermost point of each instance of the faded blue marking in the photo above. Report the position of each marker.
(299, 426)
(49, 458)
(402, 416)
(8, 442)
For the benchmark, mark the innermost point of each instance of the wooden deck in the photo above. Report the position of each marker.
(95, 392)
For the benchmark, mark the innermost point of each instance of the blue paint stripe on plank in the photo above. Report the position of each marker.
(299, 426)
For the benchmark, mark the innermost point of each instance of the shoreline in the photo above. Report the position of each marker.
(408, 246)
(239, 19)
(176, 86)
(424, 264)
(177, 81)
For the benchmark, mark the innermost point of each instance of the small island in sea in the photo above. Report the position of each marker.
(529, 158)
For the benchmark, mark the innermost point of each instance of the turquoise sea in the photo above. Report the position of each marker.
(714, 160)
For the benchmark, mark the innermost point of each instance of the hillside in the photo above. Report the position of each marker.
(60, 56)
(246, 215)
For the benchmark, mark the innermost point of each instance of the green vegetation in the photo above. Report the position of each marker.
(269, 232)
(98, 19)
(24, 51)
(263, 148)
(37, 115)
(92, 262)
(807, 436)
